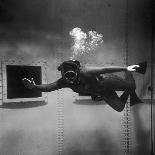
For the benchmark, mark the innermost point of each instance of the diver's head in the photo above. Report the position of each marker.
(69, 70)
(70, 76)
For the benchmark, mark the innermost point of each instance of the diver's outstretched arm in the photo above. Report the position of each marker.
(30, 84)
(110, 69)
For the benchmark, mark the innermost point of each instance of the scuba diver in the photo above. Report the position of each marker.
(94, 82)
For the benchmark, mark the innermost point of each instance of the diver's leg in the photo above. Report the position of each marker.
(129, 79)
(117, 83)
(134, 99)
(114, 101)
(124, 96)
(126, 84)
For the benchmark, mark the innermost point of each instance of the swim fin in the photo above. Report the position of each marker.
(134, 99)
(142, 68)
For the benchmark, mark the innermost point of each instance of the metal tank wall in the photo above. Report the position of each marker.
(38, 30)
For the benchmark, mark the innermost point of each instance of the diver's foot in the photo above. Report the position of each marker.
(142, 67)
(134, 99)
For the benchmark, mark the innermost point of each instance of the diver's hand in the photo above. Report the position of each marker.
(28, 83)
(132, 68)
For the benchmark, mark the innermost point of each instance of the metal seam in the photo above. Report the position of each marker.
(126, 118)
(60, 111)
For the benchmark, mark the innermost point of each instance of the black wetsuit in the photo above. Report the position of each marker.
(96, 83)
(104, 87)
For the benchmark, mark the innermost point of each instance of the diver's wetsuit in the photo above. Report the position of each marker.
(100, 87)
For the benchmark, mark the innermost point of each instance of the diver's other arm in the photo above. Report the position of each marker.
(30, 84)
(111, 69)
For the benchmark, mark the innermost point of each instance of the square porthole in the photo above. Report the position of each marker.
(15, 74)
(13, 88)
